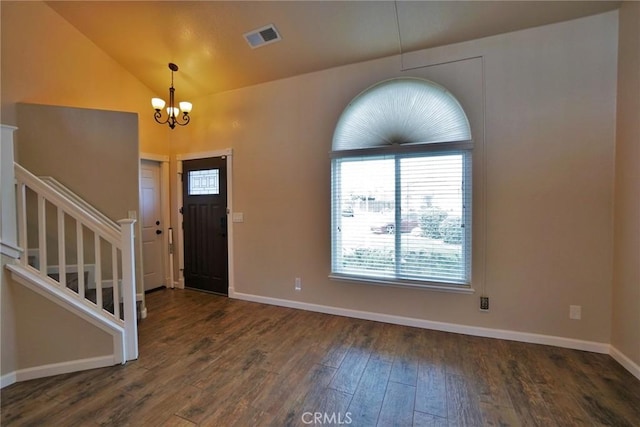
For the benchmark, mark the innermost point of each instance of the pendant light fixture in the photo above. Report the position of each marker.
(173, 112)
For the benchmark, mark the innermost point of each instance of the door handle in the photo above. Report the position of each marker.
(158, 231)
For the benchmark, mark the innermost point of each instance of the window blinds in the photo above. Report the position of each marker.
(402, 217)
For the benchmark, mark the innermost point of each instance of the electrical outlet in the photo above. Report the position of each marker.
(575, 312)
(484, 303)
(298, 284)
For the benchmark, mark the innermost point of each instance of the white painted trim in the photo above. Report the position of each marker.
(58, 369)
(90, 269)
(165, 218)
(503, 334)
(230, 226)
(626, 363)
(228, 153)
(9, 223)
(165, 207)
(83, 212)
(179, 228)
(10, 250)
(143, 307)
(205, 154)
(62, 189)
(129, 288)
(160, 158)
(7, 379)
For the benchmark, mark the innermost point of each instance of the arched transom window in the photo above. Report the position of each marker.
(401, 187)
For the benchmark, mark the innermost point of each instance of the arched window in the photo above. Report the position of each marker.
(401, 187)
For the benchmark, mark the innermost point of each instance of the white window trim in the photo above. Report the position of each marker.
(407, 283)
(432, 286)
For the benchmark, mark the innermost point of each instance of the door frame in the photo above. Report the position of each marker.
(228, 153)
(165, 209)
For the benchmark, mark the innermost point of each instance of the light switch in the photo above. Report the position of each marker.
(237, 217)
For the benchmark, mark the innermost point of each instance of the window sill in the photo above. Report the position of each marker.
(431, 286)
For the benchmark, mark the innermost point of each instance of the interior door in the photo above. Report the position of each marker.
(204, 184)
(152, 227)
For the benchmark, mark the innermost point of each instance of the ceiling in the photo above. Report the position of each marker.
(205, 38)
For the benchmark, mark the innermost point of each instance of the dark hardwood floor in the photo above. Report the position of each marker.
(210, 361)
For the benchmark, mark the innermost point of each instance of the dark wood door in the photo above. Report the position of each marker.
(204, 183)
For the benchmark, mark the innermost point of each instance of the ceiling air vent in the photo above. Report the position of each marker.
(262, 36)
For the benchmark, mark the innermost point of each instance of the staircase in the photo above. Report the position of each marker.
(76, 257)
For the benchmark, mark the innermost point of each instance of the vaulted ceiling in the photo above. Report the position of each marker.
(205, 38)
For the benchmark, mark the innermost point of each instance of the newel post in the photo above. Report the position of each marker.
(129, 288)
(8, 223)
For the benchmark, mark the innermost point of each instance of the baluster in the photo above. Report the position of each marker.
(80, 269)
(62, 256)
(22, 222)
(116, 290)
(42, 235)
(98, 270)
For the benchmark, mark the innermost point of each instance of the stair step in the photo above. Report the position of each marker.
(90, 293)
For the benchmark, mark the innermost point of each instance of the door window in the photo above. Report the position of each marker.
(203, 182)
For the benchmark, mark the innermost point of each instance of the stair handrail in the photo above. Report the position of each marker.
(110, 232)
(79, 201)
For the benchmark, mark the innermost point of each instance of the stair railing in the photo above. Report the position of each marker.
(117, 239)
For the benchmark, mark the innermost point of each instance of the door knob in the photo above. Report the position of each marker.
(158, 231)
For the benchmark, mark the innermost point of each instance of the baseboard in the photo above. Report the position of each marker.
(571, 343)
(627, 363)
(57, 369)
(7, 379)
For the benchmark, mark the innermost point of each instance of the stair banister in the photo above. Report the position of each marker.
(120, 236)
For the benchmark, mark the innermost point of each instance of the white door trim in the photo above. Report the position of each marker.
(165, 210)
(228, 152)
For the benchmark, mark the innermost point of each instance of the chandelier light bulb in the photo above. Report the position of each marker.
(173, 111)
(185, 107)
(157, 103)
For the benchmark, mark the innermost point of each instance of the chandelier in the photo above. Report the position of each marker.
(173, 112)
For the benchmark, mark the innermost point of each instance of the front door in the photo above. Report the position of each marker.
(152, 227)
(204, 184)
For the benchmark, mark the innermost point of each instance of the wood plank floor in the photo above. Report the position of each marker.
(210, 361)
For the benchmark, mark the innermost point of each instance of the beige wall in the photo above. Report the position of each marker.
(626, 273)
(548, 116)
(8, 324)
(544, 123)
(47, 61)
(93, 152)
(38, 344)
